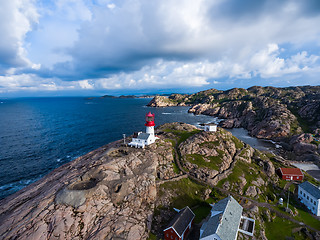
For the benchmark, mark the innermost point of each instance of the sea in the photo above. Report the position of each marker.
(38, 135)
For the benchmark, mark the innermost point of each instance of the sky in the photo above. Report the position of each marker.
(95, 47)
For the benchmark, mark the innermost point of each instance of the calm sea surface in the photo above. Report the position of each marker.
(38, 135)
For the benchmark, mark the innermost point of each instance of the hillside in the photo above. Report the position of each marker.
(118, 192)
(218, 164)
(288, 115)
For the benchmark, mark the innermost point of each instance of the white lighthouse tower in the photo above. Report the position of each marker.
(146, 138)
(150, 124)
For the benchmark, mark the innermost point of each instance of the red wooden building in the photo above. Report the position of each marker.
(180, 225)
(291, 174)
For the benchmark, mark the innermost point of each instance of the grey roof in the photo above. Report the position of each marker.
(310, 188)
(143, 136)
(224, 220)
(181, 221)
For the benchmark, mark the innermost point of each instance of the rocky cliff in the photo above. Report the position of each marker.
(118, 192)
(106, 194)
(266, 112)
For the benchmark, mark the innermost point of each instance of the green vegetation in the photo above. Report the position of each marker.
(244, 152)
(184, 135)
(152, 236)
(237, 142)
(196, 98)
(280, 228)
(210, 145)
(304, 124)
(181, 136)
(175, 168)
(308, 177)
(187, 193)
(212, 162)
(201, 212)
(249, 172)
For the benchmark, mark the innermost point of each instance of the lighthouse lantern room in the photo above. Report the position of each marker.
(147, 138)
(150, 123)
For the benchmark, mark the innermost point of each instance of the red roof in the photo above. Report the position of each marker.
(291, 171)
(150, 114)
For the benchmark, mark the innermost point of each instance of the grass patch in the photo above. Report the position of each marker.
(250, 172)
(175, 168)
(188, 192)
(308, 177)
(279, 228)
(237, 142)
(303, 215)
(210, 145)
(213, 163)
(152, 236)
(180, 136)
(201, 212)
(173, 142)
(308, 219)
(184, 135)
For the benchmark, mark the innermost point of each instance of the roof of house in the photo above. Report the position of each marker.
(224, 220)
(311, 189)
(181, 221)
(291, 171)
(143, 136)
(210, 124)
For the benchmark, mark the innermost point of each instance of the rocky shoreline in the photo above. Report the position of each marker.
(106, 193)
(118, 192)
(290, 116)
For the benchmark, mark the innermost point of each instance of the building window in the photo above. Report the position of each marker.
(300, 192)
(314, 202)
(167, 234)
(307, 197)
(304, 195)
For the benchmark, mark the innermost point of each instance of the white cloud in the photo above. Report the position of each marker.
(135, 44)
(111, 5)
(31, 82)
(84, 84)
(16, 19)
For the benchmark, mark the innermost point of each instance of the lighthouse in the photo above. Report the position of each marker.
(150, 124)
(146, 138)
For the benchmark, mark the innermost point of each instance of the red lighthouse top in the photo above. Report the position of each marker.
(149, 120)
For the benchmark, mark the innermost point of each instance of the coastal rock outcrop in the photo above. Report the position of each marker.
(106, 194)
(118, 192)
(161, 101)
(266, 112)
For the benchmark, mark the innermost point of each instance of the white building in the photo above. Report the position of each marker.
(142, 140)
(210, 127)
(309, 195)
(146, 138)
(226, 221)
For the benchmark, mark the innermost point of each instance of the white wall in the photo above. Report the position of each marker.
(311, 203)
